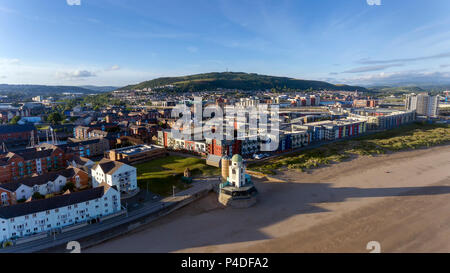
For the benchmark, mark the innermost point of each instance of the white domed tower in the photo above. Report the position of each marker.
(236, 173)
(238, 191)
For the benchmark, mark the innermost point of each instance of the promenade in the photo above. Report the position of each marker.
(128, 220)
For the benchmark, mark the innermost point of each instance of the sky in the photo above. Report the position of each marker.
(115, 43)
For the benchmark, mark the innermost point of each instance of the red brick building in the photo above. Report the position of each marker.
(25, 163)
(14, 134)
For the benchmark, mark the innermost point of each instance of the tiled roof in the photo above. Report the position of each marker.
(6, 129)
(51, 203)
(108, 166)
(80, 160)
(31, 153)
(41, 179)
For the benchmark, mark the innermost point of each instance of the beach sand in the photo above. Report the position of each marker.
(401, 200)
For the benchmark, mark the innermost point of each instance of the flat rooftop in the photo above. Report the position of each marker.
(132, 150)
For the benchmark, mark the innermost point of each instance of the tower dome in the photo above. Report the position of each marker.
(236, 158)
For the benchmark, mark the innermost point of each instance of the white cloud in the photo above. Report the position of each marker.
(76, 74)
(400, 78)
(113, 68)
(374, 2)
(73, 2)
(192, 49)
(371, 68)
(420, 58)
(9, 61)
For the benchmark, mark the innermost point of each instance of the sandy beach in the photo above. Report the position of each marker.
(401, 200)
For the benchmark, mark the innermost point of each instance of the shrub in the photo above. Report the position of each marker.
(69, 186)
(37, 195)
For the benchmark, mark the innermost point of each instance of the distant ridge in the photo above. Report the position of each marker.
(236, 80)
(32, 89)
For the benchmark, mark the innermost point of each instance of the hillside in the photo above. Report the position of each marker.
(30, 89)
(401, 90)
(236, 80)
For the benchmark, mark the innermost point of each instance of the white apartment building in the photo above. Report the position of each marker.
(423, 104)
(57, 212)
(115, 173)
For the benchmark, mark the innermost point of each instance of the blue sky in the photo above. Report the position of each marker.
(112, 42)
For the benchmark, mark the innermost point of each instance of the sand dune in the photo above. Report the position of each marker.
(400, 200)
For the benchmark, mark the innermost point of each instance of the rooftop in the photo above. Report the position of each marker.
(132, 150)
(52, 203)
(108, 166)
(6, 129)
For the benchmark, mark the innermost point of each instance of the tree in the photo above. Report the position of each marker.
(37, 195)
(69, 186)
(55, 118)
(14, 120)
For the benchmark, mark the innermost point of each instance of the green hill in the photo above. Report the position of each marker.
(236, 80)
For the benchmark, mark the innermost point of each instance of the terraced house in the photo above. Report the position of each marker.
(49, 183)
(58, 212)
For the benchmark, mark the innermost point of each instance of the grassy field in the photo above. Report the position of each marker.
(163, 173)
(42, 127)
(411, 136)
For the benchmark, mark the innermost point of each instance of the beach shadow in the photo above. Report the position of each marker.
(277, 203)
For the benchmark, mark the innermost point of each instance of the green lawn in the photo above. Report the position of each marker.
(411, 136)
(42, 127)
(163, 173)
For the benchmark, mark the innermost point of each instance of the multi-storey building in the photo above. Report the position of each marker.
(88, 147)
(423, 104)
(137, 153)
(58, 212)
(16, 134)
(334, 129)
(382, 119)
(25, 163)
(299, 138)
(82, 132)
(365, 103)
(115, 173)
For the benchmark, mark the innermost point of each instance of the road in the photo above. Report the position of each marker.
(132, 215)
